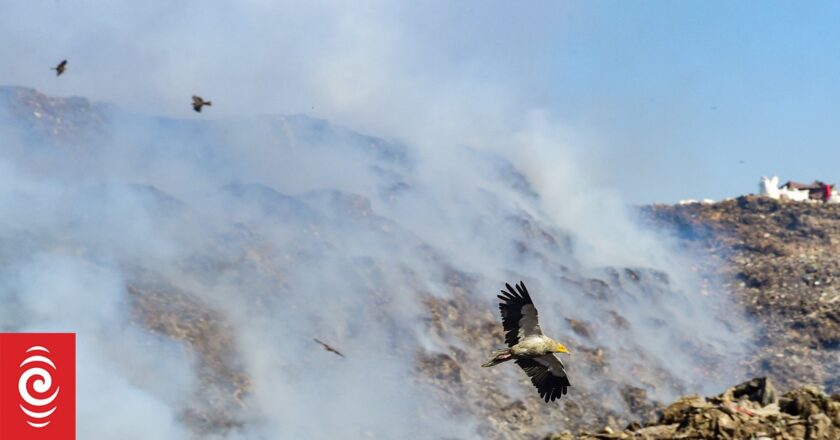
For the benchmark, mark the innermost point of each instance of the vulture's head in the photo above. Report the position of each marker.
(559, 348)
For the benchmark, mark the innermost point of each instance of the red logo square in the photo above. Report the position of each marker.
(37, 386)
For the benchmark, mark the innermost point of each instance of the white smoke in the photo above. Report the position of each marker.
(292, 228)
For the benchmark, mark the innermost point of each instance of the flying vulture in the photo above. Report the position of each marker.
(533, 351)
(198, 102)
(328, 347)
(60, 68)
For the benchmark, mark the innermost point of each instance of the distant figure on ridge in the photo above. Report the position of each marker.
(60, 68)
(198, 102)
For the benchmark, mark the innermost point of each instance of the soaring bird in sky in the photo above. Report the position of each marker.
(198, 102)
(533, 351)
(60, 68)
(328, 347)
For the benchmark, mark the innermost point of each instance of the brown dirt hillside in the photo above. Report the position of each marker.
(781, 260)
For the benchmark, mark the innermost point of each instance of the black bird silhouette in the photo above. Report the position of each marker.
(198, 102)
(328, 347)
(60, 68)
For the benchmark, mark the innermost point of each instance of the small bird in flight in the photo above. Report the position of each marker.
(60, 68)
(198, 102)
(533, 351)
(328, 347)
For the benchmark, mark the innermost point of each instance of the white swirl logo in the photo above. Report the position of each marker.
(38, 381)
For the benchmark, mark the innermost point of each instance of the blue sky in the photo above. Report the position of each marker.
(696, 88)
(664, 100)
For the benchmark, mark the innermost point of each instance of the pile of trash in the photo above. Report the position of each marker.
(751, 410)
(779, 259)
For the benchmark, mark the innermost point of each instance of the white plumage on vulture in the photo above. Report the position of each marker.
(533, 351)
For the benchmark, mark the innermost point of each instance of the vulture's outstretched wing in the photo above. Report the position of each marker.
(519, 316)
(547, 374)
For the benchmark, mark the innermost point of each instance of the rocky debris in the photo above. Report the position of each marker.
(780, 259)
(758, 390)
(750, 410)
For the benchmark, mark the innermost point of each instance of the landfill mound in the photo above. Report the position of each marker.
(249, 269)
(780, 260)
(240, 271)
(751, 410)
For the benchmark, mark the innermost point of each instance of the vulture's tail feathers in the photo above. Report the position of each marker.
(497, 357)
